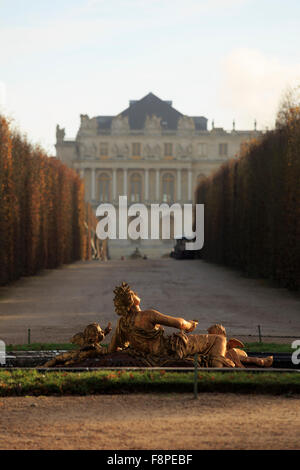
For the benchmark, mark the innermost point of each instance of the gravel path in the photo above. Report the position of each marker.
(214, 421)
(58, 303)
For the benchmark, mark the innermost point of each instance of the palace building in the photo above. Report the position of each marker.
(150, 152)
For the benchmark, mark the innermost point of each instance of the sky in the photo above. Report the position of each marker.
(223, 59)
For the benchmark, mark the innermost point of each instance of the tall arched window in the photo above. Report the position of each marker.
(168, 188)
(104, 187)
(136, 187)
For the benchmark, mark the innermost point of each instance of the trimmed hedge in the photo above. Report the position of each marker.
(252, 208)
(44, 221)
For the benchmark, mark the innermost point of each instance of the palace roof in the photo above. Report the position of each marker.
(151, 105)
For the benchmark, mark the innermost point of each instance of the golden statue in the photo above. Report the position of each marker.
(140, 333)
(143, 332)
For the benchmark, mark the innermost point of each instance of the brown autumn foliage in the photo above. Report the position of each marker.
(44, 221)
(252, 206)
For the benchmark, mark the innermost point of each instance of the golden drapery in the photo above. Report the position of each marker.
(157, 349)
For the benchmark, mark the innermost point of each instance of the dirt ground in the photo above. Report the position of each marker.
(58, 303)
(214, 421)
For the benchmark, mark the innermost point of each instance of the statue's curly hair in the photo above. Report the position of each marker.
(123, 299)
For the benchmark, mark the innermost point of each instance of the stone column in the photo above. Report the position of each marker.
(146, 185)
(157, 189)
(125, 182)
(114, 185)
(190, 176)
(81, 173)
(179, 185)
(93, 185)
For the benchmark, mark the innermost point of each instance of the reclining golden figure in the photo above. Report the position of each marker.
(142, 330)
(140, 333)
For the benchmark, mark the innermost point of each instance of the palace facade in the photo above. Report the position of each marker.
(150, 152)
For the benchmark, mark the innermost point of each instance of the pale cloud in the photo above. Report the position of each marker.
(53, 36)
(208, 5)
(63, 35)
(174, 11)
(199, 4)
(252, 84)
(80, 30)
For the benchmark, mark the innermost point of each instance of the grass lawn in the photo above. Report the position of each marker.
(268, 347)
(33, 382)
(249, 347)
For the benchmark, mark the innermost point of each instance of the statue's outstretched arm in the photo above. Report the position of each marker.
(158, 318)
